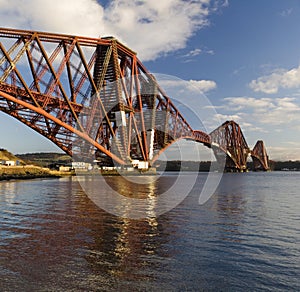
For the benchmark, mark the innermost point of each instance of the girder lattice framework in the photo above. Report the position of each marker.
(86, 93)
(93, 93)
(229, 139)
(260, 157)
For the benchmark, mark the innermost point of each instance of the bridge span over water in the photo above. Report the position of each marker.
(94, 96)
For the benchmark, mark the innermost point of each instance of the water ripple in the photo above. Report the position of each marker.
(246, 237)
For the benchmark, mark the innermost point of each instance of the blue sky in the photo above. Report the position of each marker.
(243, 55)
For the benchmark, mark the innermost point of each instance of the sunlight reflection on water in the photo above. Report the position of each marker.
(53, 237)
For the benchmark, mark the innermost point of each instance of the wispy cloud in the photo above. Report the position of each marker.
(224, 117)
(238, 70)
(190, 56)
(286, 12)
(198, 51)
(193, 53)
(241, 119)
(283, 153)
(152, 28)
(274, 120)
(267, 111)
(280, 78)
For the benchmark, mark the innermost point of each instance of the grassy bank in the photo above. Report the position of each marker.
(25, 172)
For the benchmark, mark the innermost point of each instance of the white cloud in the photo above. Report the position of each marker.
(238, 103)
(183, 85)
(273, 120)
(280, 78)
(193, 53)
(276, 111)
(250, 127)
(196, 52)
(151, 28)
(81, 17)
(283, 153)
(241, 119)
(203, 85)
(223, 117)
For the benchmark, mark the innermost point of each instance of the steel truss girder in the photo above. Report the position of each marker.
(88, 94)
(93, 97)
(229, 139)
(260, 157)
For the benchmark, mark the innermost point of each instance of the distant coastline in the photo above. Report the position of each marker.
(205, 166)
(46, 165)
(53, 160)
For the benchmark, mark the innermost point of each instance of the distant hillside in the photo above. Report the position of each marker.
(6, 155)
(45, 159)
(176, 165)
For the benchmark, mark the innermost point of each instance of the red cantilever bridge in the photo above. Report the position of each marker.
(93, 96)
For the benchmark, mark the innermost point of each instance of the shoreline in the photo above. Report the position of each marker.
(25, 172)
(31, 172)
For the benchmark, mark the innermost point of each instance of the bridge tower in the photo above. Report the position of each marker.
(260, 157)
(228, 139)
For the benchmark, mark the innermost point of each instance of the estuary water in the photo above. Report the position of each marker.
(245, 238)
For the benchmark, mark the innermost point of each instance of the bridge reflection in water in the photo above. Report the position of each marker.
(93, 96)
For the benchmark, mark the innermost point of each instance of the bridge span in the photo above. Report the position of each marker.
(93, 97)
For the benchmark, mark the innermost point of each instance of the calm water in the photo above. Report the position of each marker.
(246, 237)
